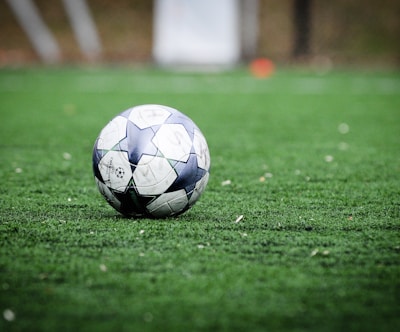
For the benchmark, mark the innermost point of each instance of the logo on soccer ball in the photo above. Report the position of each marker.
(152, 161)
(119, 172)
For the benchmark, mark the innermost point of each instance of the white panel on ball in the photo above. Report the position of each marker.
(201, 148)
(115, 170)
(106, 192)
(112, 133)
(196, 32)
(148, 115)
(199, 188)
(153, 175)
(168, 203)
(173, 141)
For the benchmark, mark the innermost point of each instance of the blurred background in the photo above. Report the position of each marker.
(365, 33)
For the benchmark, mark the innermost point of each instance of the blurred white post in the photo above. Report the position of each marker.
(39, 35)
(84, 28)
(196, 32)
(250, 30)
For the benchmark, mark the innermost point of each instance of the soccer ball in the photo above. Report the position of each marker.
(151, 161)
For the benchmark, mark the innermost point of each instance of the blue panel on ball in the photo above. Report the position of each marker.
(188, 174)
(184, 120)
(126, 113)
(139, 142)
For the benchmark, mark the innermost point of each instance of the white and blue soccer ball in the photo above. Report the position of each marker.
(151, 161)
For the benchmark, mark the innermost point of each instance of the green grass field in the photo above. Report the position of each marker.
(311, 162)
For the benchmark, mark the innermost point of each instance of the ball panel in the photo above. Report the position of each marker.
(173, 141)
(188, 174)
(112, 133)
(96, 157)
(178, 117)
(148, 115)
(132, 204)
(198, 190)
(115, 170)
(153, 175)
(168, 204)
(108, 195)
(139, 142)
(201, 149)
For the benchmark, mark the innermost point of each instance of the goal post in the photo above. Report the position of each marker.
(197, 32)
(84, 28)
(41, 38)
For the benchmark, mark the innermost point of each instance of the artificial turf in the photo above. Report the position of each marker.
(298, 229)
